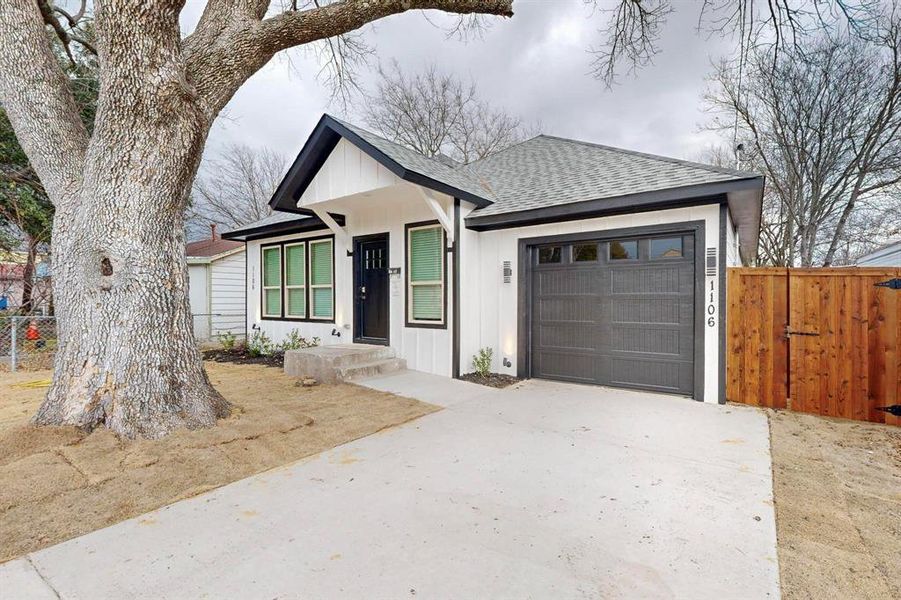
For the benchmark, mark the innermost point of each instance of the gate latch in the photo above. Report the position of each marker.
(892, 284)
(789, 331)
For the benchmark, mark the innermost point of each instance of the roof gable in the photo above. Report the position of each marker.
(402, 162)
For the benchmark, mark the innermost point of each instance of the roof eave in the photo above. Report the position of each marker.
(316, 150)
(282, 228)
(653, 200)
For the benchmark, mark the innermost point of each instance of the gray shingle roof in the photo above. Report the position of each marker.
(429, 167)
(549, 171)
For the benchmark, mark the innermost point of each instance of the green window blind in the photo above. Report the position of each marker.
(426, 269)
(272, 282)
(272, 268)
(295, 265)
(321, 277)
(295, 280)
(425, 254)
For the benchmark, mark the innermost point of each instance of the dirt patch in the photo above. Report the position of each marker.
(837, 486)
(495, 380)
(57, 483)
(239, 357)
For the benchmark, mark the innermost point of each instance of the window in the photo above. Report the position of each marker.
(295, 280)
(585, 252)
(549, 254)
(666, 248)
(425, 275)
(298, 280)
(620, 250)
(272, 281)
(321, 280)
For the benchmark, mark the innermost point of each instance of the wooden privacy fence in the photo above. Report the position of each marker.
(821, 341)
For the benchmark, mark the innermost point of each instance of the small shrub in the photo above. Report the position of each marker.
(227, 340)
(295, 341)
(481, 362)
(259, 344)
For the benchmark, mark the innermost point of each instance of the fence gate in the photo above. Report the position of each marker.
(822, 341)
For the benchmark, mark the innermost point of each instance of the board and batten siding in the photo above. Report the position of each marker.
(378, 203)
(489, 310)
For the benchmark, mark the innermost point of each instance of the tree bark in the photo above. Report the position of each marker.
(127, 359)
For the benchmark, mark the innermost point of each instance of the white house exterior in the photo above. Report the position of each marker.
(571, 261)
(886, 256)
(216, 283)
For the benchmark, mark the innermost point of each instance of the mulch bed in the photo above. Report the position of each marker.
(495, 380)
(240, 357)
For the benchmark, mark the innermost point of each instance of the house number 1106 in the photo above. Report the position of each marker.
(711, 307)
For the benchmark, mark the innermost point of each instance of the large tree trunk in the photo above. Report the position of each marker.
(127, 359)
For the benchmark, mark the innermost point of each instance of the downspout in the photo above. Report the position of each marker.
(455, 330)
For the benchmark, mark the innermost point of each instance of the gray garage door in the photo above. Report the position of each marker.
(615, 312)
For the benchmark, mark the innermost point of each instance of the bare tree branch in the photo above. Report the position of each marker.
(437, 114)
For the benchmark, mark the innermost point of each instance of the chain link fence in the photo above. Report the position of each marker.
(27, 343)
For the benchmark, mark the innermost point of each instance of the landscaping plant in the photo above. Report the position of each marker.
(481, 362)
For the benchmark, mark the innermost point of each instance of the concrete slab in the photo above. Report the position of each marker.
(545, 490)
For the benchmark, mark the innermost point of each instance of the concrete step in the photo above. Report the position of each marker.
(370, 369)
(324, 362)
(362, 355)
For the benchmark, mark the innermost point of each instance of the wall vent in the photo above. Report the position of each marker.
(711, 262)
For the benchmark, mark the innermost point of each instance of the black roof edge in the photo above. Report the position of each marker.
(316, 150)
(283, 228)
(705, 193)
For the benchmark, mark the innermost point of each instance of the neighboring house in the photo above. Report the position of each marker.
(571, 260)
(12, 281)
(216, 284)
(886, 256)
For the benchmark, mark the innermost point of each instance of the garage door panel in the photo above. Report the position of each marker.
(667, 376)
(626, 323)
(567, 336)
(568, 366)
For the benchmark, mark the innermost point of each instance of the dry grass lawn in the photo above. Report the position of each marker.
(837, 486)
(58, 483)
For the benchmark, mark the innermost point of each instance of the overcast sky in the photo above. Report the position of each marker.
(535, 65)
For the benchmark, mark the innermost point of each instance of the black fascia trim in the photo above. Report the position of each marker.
(656, 200)
(721, 282)
(283, 228)
(316, 150)
(455, 331)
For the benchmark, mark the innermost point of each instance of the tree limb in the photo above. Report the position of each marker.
(38, 100)
(220, 59)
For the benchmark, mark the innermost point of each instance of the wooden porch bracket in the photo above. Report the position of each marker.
(340, 233)
(439, 213)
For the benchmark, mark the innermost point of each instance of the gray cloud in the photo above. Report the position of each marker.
(536, 65)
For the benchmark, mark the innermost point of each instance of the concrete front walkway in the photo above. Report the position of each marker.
(542, 491)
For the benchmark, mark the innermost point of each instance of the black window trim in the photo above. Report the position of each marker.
(281, 246)
(420, 324)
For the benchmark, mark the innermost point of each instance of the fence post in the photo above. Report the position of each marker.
(14, 324)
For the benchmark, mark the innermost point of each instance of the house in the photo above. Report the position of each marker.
(13, 273)
(572, 261)
(216, 286)
(888, 255)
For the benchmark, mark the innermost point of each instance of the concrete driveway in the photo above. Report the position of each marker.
(546, 490)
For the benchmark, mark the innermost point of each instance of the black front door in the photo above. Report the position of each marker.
(371, 289)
